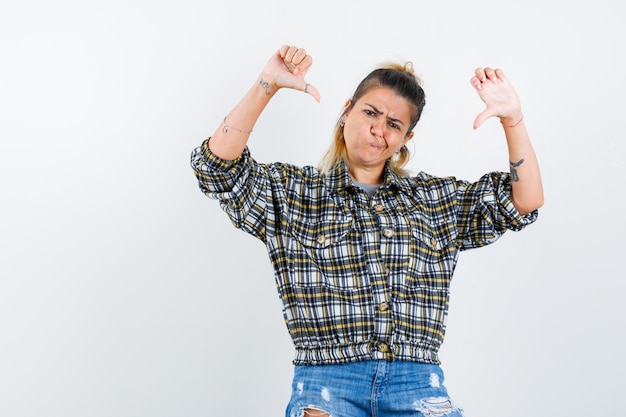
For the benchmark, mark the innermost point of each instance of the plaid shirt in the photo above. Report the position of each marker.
(360, 277)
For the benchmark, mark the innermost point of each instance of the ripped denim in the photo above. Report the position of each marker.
(371, 389)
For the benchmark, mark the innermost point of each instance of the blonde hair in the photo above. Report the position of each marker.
(402, 80)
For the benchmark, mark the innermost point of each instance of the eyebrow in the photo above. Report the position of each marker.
(377, 111)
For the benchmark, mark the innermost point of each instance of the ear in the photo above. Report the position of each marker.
(346, 107)
(409, 136)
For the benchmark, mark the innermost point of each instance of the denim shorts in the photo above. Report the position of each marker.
(375, 388)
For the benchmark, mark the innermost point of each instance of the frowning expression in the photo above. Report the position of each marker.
(376, 127)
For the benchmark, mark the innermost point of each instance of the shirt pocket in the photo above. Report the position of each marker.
(326, 253)
(432, 254)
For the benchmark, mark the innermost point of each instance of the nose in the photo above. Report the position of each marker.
(377, 128)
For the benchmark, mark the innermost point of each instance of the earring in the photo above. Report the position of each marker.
(403, 148)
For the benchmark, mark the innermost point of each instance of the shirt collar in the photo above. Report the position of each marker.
(339, 179)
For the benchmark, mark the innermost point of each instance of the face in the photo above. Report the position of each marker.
(375, 128)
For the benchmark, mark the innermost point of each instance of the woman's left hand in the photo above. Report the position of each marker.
(499, 96)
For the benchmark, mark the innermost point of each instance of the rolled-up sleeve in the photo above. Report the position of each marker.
(239, 185)
(486, 210)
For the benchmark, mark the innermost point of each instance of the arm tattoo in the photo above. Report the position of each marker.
(514, 165)
(266, 86)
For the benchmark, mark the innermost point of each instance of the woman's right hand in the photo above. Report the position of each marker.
(288, 67)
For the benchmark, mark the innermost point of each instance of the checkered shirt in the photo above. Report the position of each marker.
(360, 277)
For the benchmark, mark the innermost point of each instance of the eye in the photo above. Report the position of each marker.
(370, 112)
(394, 125)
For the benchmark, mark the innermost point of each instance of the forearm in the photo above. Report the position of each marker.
(527, 188)
(231, 136)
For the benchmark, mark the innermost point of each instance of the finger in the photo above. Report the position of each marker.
(289, 53)
(298, 56)
(490, 73)
(312, 90)
(484, 115)
(480, 74)
(296, 60)
(476, 83)
(479, 120)
(303, 66)
(500, 74)
(282, 51)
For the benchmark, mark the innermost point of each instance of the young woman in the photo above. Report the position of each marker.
(363, 253)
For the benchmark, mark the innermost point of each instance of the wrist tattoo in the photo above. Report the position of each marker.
(266, 86)
(514, 165)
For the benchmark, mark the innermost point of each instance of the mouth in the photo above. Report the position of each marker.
(377, 145)
(377, 142)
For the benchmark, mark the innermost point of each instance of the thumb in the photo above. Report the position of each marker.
(486, 114)
(313, 91)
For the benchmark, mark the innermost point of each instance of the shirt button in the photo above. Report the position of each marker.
(433, 242)
(383, 347)
(321, 239)
(384, 306)
(378, 208)
(388, 233)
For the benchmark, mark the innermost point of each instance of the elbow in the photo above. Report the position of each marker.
(528, 205)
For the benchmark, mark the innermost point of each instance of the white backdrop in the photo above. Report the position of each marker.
(125, 292)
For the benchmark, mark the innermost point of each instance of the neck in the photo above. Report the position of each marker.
(370, 176)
